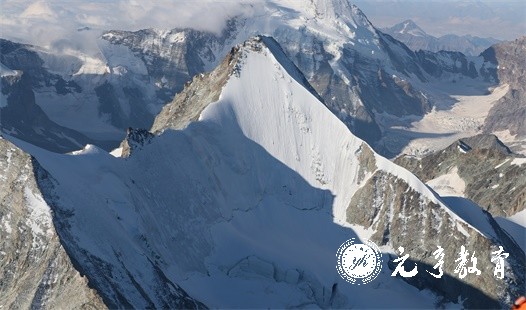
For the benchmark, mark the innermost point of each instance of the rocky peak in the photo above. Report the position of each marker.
(206, 88)
(491, 173)
(135, 139)
(509, 58)
(408, 27)
(481, 142)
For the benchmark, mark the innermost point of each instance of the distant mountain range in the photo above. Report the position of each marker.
(417, 39)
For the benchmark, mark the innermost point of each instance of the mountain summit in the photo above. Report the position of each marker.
(260, 161)
(417, 39)
(408, 27)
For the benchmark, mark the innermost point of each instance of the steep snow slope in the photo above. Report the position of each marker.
(247, 206)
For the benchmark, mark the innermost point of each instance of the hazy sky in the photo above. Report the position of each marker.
(54, 22)
(505, 19)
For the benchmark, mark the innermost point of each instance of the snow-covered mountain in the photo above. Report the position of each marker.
(243, 198)
(20, 115)
(416, 39)
(332, 42)
(361, 73)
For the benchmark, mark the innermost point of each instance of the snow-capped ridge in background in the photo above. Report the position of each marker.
(507, 115)
(355, 68)
(417, 39)
(409, 27)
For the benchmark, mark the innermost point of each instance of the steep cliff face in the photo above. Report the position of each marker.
(173, 57)
(443, 63)
(195, 96)
(35, 269)
(509, 113)
(398, 216)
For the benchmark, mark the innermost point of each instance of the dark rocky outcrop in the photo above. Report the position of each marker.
(398, 217)
(135, 139)
(417, 39)
(509, 113)
(485, 165)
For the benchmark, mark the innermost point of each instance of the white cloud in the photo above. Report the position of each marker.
(55, 23)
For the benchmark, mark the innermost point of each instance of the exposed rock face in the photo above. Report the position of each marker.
(443, 62)
(487, 167)
(509, 113)
(484, 142)
(174, 57)
(135, 138)
(20, 116)
(417, 39)
(35, 269)
(196, 95)
(400, 217)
